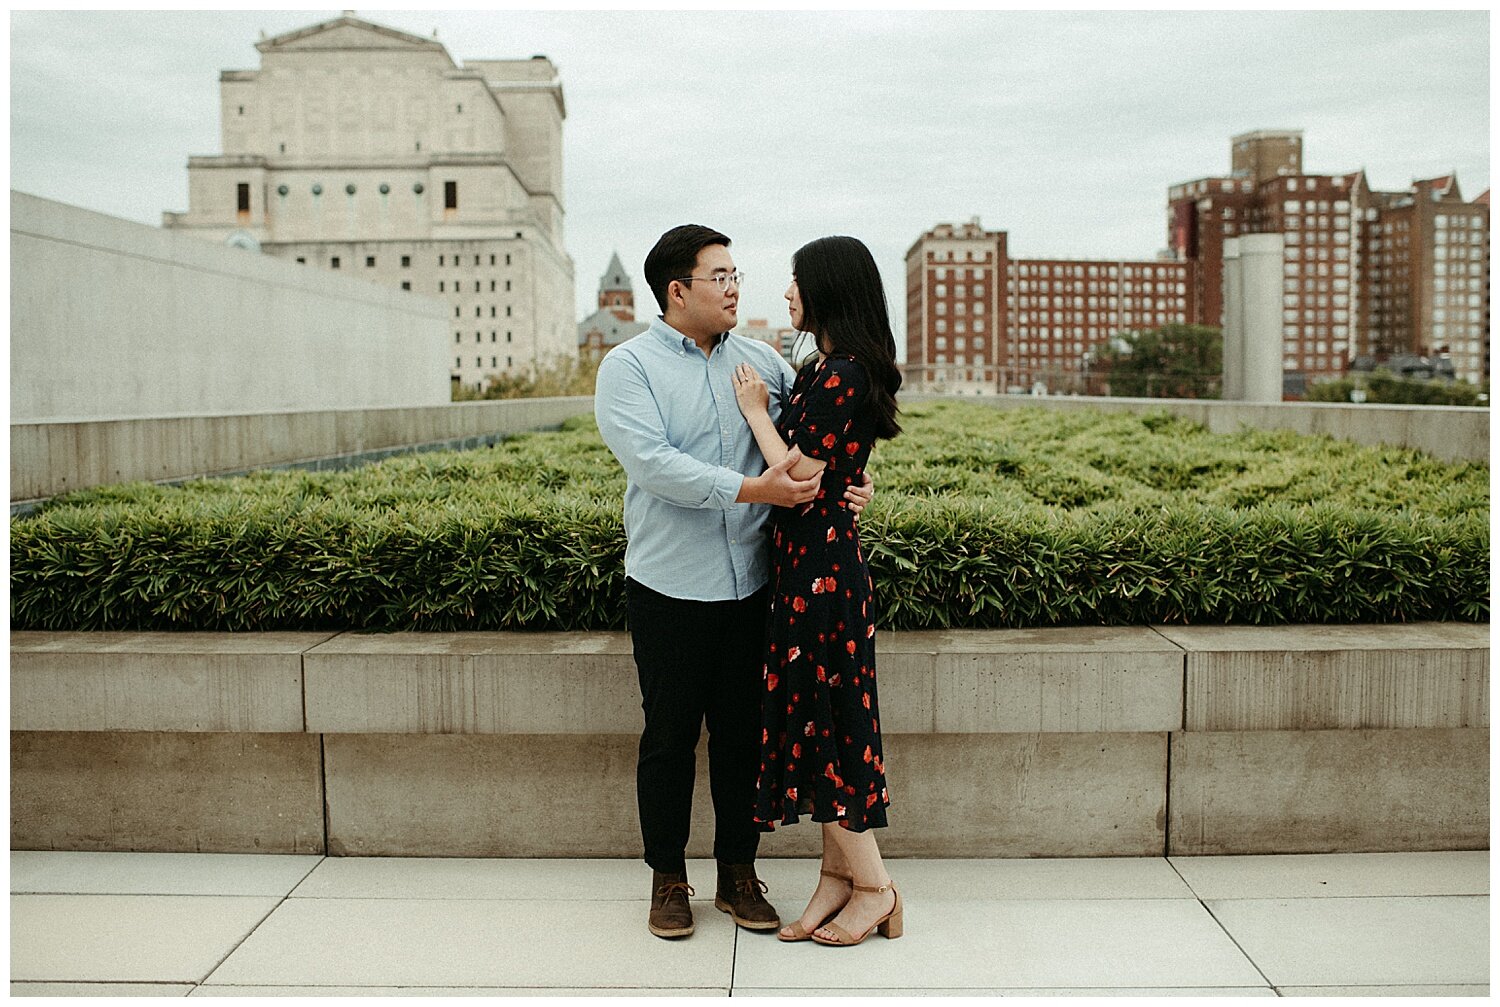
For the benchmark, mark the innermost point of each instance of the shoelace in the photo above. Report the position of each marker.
(748, 886)
(666, 890)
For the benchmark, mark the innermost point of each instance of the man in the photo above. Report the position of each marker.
(697, 498)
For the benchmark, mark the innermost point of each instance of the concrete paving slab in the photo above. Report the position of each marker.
(451, 991)
(1385, 991)
(792, 881)
(1025, 943)
(104, 873)
(100, 989)
(1333, 875)
(1372, 941)
(447, 942)
(1116, 991)
(491, 878)
(127, 938)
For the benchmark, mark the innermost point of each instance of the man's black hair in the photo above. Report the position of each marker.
(675, 254)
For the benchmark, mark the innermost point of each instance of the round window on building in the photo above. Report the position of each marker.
(384, 189)
(317, 189)
(418, 188)
(349, 188)
(282, 190)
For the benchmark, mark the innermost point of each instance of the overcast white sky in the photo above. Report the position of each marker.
(1064, 129)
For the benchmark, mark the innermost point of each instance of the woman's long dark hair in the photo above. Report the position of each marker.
(844, 306)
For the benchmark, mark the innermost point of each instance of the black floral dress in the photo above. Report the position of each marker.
(820, 738)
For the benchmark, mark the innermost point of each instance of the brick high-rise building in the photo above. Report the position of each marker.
(980, 321)
(1366, 274)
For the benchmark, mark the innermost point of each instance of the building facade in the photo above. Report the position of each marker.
(980, 321)
(1366, 274)
(614, 321)
(367, 150)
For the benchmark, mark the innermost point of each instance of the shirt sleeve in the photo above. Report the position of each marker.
(631, 425)
(833, 398)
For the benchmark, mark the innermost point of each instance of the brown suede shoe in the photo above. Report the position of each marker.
(671, 916)
(740, 895)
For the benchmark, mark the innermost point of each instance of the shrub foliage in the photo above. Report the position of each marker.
(983, 518)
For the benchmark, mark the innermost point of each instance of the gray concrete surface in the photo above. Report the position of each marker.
(1052, 742)
(1404, 924)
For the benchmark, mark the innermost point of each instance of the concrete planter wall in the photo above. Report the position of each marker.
(1063, 742)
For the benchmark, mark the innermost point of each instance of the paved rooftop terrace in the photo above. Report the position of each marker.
(184, 924)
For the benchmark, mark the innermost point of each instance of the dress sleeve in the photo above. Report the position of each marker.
(834, 397)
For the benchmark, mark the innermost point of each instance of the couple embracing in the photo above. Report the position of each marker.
(749, 600)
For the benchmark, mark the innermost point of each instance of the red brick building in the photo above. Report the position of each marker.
(1366, 273)
(981, 321)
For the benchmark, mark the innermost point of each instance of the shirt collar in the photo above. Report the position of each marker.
(677, 341)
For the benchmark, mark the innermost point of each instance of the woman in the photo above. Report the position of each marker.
(820, 743)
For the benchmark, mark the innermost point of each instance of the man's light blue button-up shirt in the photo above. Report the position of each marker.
(669, 415)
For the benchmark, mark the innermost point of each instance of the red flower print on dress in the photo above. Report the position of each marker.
(793, 654)
(771, 682)
(870, 800)
(832, 382)
(799, 604)
(797, 750)
(851, 448)
(830, 585)
(817, 585)
(829, 441)
(866, 700)
(867, 753)
(808, 729)
(832, 534)
(879, 766)
(838, 781)
(850, 647)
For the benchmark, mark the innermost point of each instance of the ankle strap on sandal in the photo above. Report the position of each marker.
(888, 886)
(836, 877)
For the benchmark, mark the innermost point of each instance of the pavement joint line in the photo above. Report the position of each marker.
(258, 923)
(303, 880)
(1240, 948)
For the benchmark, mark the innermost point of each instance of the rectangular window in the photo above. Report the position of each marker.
(492, 286)
(406, 262)
(507, 311)
(476, 260)
(242, 197)
(507, 262)
(458, 362)
(450, 198)
(369, 262)
(333, 263)
(507, 284)
(302, 259)
(492, 260)
(440, 260)
(507, 339)
(405, 284)
(458, 337)
(442, 288)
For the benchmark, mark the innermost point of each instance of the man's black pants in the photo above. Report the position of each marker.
(697, 660)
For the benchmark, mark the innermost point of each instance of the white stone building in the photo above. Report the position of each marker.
(367, 150)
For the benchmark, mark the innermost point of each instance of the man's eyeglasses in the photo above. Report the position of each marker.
(721, 280)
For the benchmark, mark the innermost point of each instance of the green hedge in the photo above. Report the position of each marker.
(984, 518)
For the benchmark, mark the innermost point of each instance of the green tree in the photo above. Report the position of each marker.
(1383, 387)
(567, 376)
(1172, 362)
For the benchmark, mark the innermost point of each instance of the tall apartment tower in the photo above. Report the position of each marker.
(364, 149)
(1365, 274)
(980, 321)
